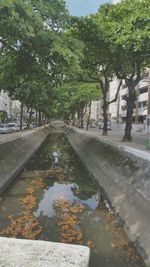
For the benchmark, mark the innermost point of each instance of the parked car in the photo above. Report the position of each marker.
(5, 129)
(101, 125)
(33, 125)
(14, 127)
(92, 125)
(24, 126)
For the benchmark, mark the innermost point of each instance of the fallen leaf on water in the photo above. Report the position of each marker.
(38, 183)
(69, 221)
(25, 226)
(113, 245)
(28, 201)
(90, 243)
(30, 190)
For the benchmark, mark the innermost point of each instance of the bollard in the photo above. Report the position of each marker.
(147, 143)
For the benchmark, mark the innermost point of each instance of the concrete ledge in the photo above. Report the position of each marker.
(141, 154)
(126, 182)
(136, 152)
(23, 253)
(15, 153)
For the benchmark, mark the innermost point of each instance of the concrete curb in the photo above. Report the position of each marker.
(23, 253)
(131, 150)
(139, 153)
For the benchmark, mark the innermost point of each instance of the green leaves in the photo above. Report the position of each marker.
(37, 51)
(73, 97)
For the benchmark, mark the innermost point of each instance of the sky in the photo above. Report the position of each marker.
(84, 7)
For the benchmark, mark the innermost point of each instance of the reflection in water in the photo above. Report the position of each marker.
(57, 192)
(56, 200)
(55, 159)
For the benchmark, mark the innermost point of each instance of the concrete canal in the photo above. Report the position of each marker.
(54, 199)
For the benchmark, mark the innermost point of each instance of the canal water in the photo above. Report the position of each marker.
(54, 199)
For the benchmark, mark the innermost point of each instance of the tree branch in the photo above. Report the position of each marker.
(116, 96)
(93, 80)
(102, 85)
(138, 77)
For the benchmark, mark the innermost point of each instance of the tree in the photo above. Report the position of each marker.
(53, 12)
(74, 98)
(97, 65)
(36, 51)
(127, 27)
(3, 116)
(18, 22)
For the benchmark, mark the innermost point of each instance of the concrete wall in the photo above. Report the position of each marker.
(125, 181)
(14, 154)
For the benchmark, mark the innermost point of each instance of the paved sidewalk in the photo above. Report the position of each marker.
(136, 147)
(11, 136)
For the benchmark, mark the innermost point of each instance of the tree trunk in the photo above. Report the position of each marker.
(73, 120)
(39, 119)
(21, 116)
(104, 83)
(80, 119)
(105, 116)
(81, 122)
(130, 105)
(36, 118)
(29, 119)
(89, 115)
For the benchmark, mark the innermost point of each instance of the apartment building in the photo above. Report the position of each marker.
(118, 110)
(10, 108)
(96, 110)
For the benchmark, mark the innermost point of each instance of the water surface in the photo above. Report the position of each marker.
(61, 203)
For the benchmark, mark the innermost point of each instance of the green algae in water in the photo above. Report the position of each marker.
(63, 204)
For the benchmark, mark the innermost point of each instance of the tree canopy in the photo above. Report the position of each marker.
(50, 60)
(127, 26)
(37, 50)
(74, 98)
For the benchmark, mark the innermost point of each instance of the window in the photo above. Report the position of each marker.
(124, 97)
(143, 90)
(124, 86)
(123, 108)
(144, 104)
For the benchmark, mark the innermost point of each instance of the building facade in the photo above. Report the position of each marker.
(8, 107)
(96, 110)
(118, 110)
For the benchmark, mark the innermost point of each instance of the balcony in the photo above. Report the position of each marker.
(123, 113)
(143, 97)
(142, 111)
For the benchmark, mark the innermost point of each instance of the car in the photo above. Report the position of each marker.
(92, 125)
(24, 126)
(101, 125)
(5, 129)
(33, 125)
(14, 127)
